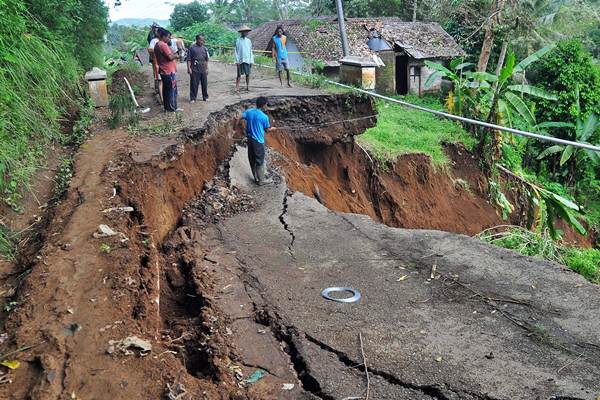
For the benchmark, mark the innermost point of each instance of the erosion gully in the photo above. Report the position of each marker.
(172, 280)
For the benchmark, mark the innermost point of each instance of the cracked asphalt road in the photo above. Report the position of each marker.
(490, 324)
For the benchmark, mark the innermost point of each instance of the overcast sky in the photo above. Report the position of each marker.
(157, 9)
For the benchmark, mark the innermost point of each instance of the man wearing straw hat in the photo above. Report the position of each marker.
(243, 57)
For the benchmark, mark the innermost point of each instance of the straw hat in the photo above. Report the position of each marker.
(244, 28)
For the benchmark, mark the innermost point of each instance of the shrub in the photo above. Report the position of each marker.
(563, 70)
(214, 34)
(584, 261)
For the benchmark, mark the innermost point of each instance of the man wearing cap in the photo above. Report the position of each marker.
(257, 123)
(243, 57)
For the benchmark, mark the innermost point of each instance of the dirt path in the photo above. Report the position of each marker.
(222, 280)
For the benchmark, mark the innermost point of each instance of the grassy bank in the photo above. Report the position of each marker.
(540, 245)
(40, 96)
(401, 130)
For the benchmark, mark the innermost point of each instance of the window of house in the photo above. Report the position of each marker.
(415, 72)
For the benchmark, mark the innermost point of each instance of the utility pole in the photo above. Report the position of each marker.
(343, 36)
(414, 10)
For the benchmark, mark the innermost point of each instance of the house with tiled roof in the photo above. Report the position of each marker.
(402, 46)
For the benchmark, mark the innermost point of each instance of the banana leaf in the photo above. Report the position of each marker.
(589, 127)
(553, 124)
(521, 108)
(569, 150)
(435, 75)
(594, 156)
(522, 66)
(550, 150)
(533, 91)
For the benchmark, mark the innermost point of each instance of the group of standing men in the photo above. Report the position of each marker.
(164, 51)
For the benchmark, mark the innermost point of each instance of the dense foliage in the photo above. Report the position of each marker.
(185, 15)
(41, 61)
(214, 34)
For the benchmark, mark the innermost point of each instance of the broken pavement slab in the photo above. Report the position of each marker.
(431, 337)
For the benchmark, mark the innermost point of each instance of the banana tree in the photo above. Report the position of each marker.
(460, 97)
(581, 131)
(507, 102)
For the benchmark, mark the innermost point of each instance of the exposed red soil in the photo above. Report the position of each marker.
(411, 194)
(408, 193)
(83, 292)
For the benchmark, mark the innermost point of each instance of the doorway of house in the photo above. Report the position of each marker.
(402, 75)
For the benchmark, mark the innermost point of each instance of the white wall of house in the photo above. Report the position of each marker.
(296, 60)
(426, 73)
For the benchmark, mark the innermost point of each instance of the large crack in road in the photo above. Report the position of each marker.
(452, 346)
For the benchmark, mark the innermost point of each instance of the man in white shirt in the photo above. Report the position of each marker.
(244, 58)
(157, 82)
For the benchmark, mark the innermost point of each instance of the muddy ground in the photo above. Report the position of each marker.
(223, 279)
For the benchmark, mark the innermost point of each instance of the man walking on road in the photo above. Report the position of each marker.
(167, 67)
(197, 66)
(244, 58)
(257, 123)
(280, 54)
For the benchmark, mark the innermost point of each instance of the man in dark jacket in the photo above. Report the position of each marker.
(197, 66)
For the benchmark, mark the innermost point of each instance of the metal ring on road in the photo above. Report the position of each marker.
(355, 294)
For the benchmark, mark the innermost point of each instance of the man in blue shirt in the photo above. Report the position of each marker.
(280, 54)
(257, 123)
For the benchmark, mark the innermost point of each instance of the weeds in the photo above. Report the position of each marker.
(105, 248)
(64, 174)
(8, 241)
(541, 245)
(166, 128)
(122, 108)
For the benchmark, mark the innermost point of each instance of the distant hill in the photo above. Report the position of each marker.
(140, 21)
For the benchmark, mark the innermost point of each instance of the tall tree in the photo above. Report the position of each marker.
(492, 21)
(188, 14)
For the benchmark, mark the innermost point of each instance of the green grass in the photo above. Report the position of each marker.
(401, 130)
(586, 262)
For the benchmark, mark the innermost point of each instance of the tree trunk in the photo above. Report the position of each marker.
(488, 40)
(502, 57)
(415, 4)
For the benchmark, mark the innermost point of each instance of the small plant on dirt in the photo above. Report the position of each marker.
(81, 128)
(8, 241)
(121, 108)
(540, 329)
(64, 174)
(105, 248)
(166, 128)
(11, 305)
